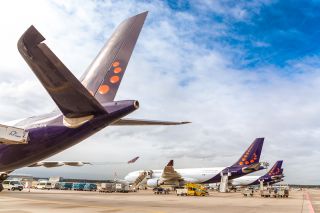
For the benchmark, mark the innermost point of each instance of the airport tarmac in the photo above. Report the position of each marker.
(146, 201)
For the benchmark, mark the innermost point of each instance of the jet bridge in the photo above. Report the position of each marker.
(13, 135)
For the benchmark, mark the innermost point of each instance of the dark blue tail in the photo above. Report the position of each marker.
(276, 169)
(252, 154)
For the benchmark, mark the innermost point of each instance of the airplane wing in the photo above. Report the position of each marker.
(169, 174)
(138, 122)
(72, 98)
(50, 164)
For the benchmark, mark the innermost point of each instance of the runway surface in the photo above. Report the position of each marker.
(146, 201)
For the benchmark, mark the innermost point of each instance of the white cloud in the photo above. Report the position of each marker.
(174, 78)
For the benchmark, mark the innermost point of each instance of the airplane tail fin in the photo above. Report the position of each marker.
(276, 170)
(133, 160)
(103, 76)
(252, 154)
(170, 163)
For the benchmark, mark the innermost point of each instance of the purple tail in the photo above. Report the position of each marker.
(252, 154)
(276, 169)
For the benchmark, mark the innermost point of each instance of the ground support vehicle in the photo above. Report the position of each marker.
(196, 189)
(12, 185)
(266, 192)
(182, 191)
(65, 186)
(107, 188)
(78, 186)
(160, 190)
(247, 192)
(281, 192)
(192, 189)
(122, 187)
(90, 187)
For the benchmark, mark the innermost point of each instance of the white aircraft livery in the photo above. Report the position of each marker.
(248, 163)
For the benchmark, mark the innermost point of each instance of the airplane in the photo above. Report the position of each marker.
(248, 163)
(274, 175)
(85, 106)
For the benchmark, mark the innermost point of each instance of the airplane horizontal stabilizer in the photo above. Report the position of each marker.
(137, 122)
(72, 98)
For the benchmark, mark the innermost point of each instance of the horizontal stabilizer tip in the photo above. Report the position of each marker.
(31, 38)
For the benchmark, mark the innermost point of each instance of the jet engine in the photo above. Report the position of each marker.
(3, 176)
(154, 182)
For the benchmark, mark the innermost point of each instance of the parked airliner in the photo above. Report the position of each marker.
(274, 175)
(85, 106)
(248, 163)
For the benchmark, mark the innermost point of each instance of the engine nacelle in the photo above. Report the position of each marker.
(3, 176)
(79, 163)
(153, 182)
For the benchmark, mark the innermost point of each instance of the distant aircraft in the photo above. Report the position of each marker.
(248, 163)
(85, 106)
(274, 175)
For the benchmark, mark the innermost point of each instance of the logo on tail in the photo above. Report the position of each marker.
(252, 154)
(276, 169)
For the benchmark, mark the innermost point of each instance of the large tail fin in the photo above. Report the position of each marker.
(252, 154)
(105, 73)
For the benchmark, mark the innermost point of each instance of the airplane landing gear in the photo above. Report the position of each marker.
(3, 176)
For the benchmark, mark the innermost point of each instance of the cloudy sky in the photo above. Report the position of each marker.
(236, 70)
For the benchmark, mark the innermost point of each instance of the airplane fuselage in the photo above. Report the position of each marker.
(48, 135)
(195, 175)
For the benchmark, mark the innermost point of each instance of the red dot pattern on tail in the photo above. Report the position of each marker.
(114, 79)
(117, 70)
(103, 89)
(245, 160)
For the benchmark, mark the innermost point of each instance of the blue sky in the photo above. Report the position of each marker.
(238, 71)
(270, 32)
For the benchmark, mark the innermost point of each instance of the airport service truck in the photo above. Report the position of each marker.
(122, 187)
(107, 187)
(192, 189)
